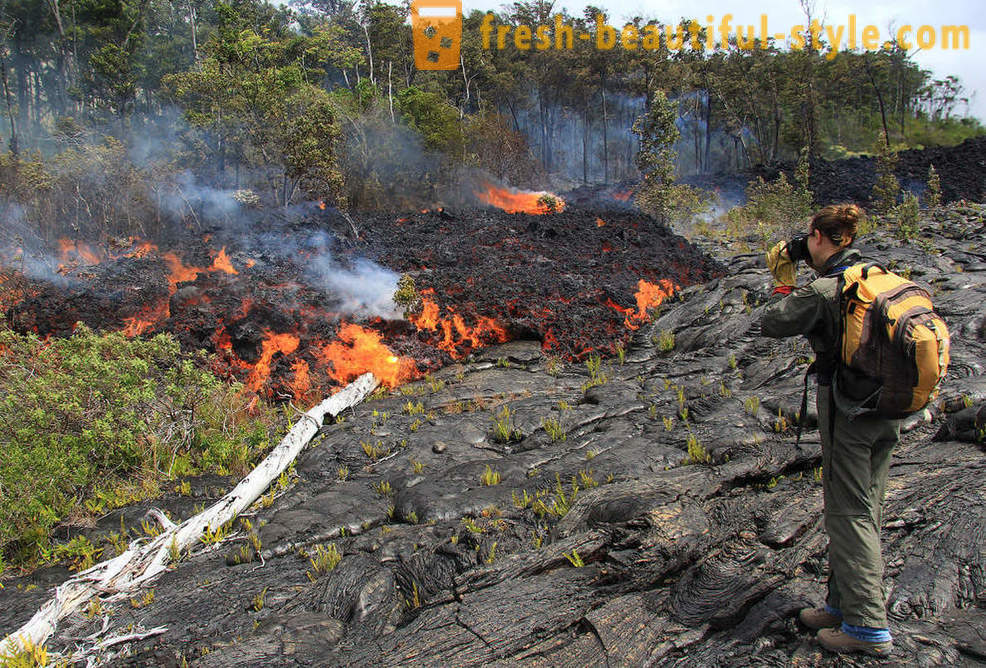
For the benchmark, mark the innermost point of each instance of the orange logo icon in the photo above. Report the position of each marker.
(436, 27)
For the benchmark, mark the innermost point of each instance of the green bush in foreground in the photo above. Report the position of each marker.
(96, 421)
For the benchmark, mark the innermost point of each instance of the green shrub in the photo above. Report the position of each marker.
(697, 454)
(932, 194)
(906, 215)
(95, 421)
(886, 190)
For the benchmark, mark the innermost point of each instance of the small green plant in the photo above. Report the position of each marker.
(257, 604)
(906, 215)
(554, 429)
(621, 353)
(502, 363)
(564, 406)
(489, 477)
(417, 467)
(434, 384)
(668, 422)
(724, 391)
(732, 361)
(95, 608)
(491, 557)
(780, 424)
(383, 488)
(78, 552)
(210, 537)
(416, 424)
(375, 451)
(343, 472)
(324, 560)
(106, 422)
(590, 455)
(557, 503)
(406, 295)
(470, 524)
(243, 556)
(886, 191)
(415, 601)
(412, 517)
(696, 452)
(932, 194)
(665, 340)
(174, 554)
(752, 405)
(522, 501)
(593, 363)
(586, 480)
(25, 655)
(574, 559)
(412, 408)
(816, 474)
(503, 431)
(184, 488)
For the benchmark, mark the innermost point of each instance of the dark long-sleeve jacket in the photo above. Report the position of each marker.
(812, 310)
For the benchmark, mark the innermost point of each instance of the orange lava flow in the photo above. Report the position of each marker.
(512, 200)
(359, 350)
(179, 273)
(272, 344)
(600, 222)
(622, 195)
(222, 263)
(302, 382)
(77, 252)
(649, 295)
(454, 330)
(141, 248)
(148, 318)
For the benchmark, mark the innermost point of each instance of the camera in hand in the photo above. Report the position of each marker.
(797, 248)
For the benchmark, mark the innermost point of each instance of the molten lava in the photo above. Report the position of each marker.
(457, 338)
(649, 295)
(222, 263)
(148, 318)
(512, 200)
(359, 350)
(272, 344)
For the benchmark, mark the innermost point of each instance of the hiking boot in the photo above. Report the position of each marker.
(818, 618)
(835, 640)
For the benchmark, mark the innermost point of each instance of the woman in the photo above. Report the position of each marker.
(855, 452)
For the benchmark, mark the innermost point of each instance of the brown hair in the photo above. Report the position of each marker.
(838, 222)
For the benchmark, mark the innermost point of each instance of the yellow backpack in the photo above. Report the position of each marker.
(894, 347)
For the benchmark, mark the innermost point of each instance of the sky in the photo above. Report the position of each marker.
(968, 64)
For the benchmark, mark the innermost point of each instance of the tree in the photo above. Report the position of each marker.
(656, 158)
(252, 101)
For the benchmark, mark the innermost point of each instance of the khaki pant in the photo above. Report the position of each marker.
(855, 462)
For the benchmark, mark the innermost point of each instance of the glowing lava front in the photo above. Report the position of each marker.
(457, 337)
(358, 350)
(512, 200)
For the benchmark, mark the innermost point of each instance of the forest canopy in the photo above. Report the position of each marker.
(321, 99)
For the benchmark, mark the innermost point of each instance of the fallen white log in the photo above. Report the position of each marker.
(142, 562)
